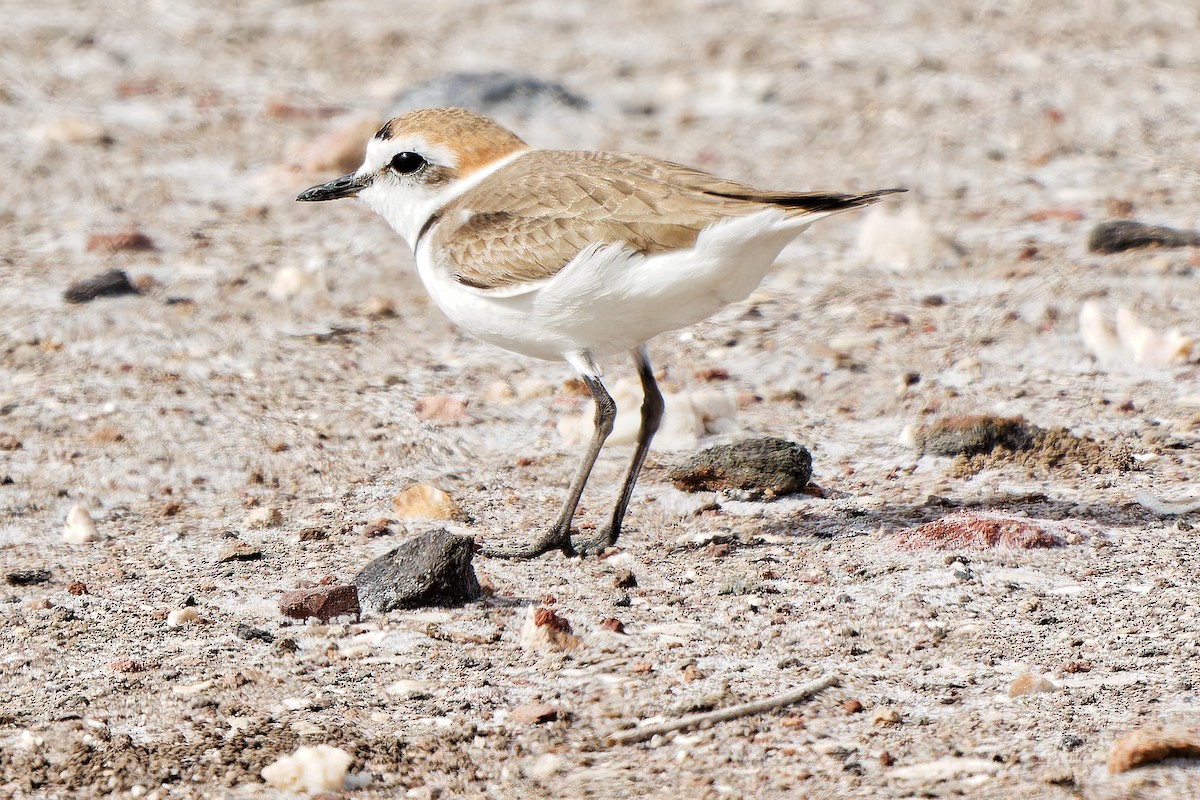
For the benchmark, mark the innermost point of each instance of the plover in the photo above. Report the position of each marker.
(572, 255)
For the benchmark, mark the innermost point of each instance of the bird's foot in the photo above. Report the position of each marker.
(596, 545)
(557, 538)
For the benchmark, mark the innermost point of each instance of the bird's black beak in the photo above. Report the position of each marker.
(345, 186)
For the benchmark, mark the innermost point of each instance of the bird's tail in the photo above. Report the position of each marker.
(811, 202)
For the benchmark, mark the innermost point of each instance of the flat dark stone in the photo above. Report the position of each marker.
(430, 569)
(766, 467)
(240, 551)
(27, 577)
(488, 93)
(249, 633)
(1119, 235)
(323, 602)
(107, 284)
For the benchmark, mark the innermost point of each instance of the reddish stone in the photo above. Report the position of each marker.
(324, 603)
(115, 241)
(544, 617)
(979, 530)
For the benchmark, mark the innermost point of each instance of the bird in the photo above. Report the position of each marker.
(576, 256)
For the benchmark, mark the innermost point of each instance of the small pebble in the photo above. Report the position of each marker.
(885, 715)
(1070, 742)
(441, 408)
(107, 284)
(623, 578)
(312, 533)
(285, 646)
(268, 517)
(116, 241)
(377, 307)
(424, 502)
(72, 130)
(1028, 683)
(407, 689)
(533, 713)
(379, 527)
(240, 551)
(178, 617)
(250, 634)
(543, 630)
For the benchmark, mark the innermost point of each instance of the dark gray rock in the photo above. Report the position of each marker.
(249, 633)
(1119, 235)
(430, 569)
(491, 93)
(107, 284)
(1070, 742)
(763, 468)
(27, 577)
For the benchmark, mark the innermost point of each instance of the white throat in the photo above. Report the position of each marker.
(407, 214)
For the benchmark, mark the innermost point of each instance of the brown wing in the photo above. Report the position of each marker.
(529, 219)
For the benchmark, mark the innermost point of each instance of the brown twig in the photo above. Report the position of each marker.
(641, 734)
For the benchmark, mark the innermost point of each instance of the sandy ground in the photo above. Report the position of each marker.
(251, 374)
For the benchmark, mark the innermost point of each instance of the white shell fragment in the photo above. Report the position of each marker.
(310, 769)
(1132, 342)
(80, 527)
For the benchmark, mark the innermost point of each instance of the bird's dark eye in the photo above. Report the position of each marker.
(406, 163)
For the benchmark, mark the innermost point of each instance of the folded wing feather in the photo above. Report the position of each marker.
(528, 220)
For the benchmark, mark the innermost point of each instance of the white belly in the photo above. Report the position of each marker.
(609, 300)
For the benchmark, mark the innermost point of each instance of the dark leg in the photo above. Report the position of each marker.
(559, 536)
(652, 411)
